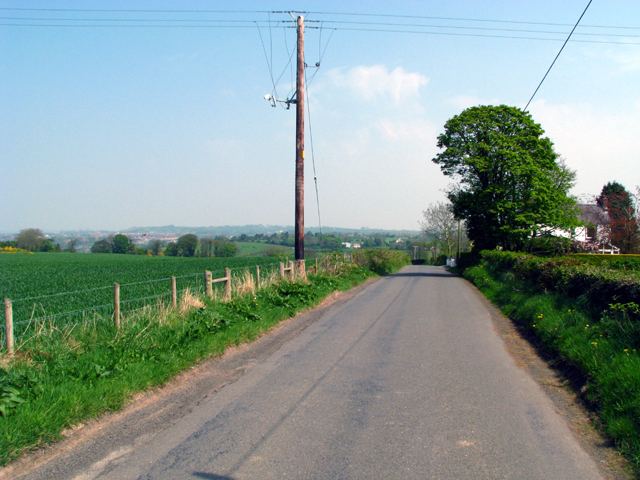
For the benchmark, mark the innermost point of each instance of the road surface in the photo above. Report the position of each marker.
(406, 380)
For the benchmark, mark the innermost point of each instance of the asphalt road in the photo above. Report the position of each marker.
(406, 380)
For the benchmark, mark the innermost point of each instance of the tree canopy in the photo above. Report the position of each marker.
(104, 245)
(511, 183)
(30, 239)
(122, 244)
(439, 222)
(624, 231)
(187, 245)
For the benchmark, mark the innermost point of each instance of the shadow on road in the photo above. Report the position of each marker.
(211, 476)
(423, 274)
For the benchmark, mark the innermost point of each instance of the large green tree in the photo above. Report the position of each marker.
(187, 245)
(511, 184)
(122, 244)
(30, 239)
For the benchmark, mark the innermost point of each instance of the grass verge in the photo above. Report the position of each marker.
(601, 345)
(64, 376)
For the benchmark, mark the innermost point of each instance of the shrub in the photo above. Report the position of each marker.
(382, 262)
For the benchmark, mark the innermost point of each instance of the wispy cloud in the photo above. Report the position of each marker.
(601, 147)
(417, 131)
(377, 82)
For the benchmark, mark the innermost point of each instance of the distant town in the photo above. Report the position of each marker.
(144, 237)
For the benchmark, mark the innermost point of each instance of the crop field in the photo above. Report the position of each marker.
(70, 288)
(257, 248)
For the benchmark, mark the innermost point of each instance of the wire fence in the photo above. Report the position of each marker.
(66, 309)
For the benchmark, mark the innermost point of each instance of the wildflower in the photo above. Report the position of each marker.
(626, 350)
(594, 343)
(541, 315)
(534, 325)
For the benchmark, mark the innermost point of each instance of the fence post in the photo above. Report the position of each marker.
(174, 293)
(290, 266)
(317, 265)
(8, 325)
(208, 277)
(281, 271)
(227, 284)
(257, 278)
(116, 305)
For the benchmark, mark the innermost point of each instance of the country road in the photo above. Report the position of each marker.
(408, 379)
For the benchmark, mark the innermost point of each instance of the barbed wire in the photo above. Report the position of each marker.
(60, 294)
(38, 321)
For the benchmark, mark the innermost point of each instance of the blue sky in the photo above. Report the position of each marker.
(109, 128)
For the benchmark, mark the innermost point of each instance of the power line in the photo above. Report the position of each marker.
(313, 159)
(380, 30)
(508, 37)
(464, 19)
(352, 14)
(477, 28)
(271, 22)
(130, 11)
(554, 60)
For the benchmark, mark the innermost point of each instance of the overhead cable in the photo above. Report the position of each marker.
(554, 60)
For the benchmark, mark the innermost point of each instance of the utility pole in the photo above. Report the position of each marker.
(458, 256)
(299, 228)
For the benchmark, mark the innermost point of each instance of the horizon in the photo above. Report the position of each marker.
(191, 229)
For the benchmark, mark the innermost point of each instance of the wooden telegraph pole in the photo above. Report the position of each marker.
(299, 230)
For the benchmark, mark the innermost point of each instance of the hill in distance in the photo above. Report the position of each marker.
(234, 231)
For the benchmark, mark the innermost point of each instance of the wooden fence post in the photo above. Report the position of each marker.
(257, 278)
(8, 325)
(116, 305)
(174, 293)
(227, 284)
(281, 271)
(208, 277)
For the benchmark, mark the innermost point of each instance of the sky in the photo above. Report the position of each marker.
(107, 125)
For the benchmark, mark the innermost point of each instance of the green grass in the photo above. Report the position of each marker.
(63, 376)
(257, 248)
(603, 345)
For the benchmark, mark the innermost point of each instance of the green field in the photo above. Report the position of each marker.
(258, 248)
(46, 285)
